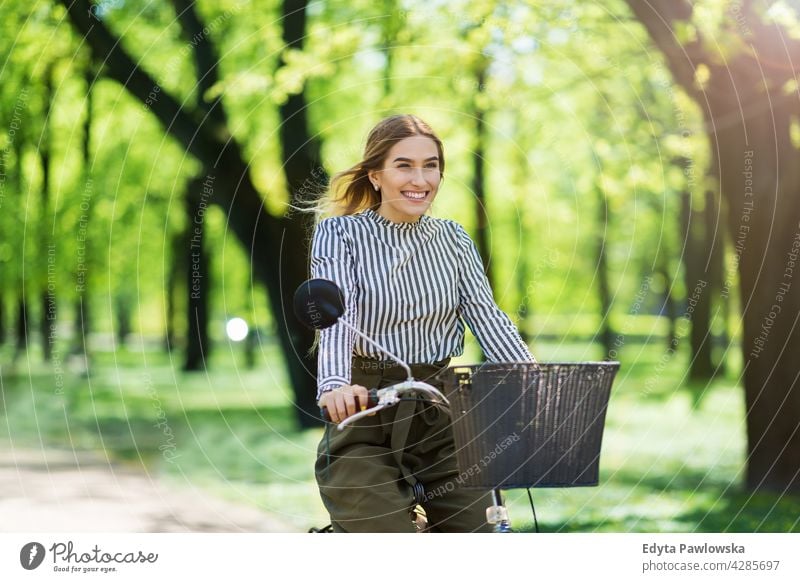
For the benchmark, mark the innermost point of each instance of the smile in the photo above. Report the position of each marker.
(413, 195)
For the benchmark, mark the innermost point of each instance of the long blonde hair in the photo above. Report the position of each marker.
(351, 190)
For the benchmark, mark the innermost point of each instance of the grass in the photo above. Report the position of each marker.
(672, 461)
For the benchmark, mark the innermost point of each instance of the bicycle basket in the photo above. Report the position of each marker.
(529, 425)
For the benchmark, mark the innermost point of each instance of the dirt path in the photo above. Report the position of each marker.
(65, 491)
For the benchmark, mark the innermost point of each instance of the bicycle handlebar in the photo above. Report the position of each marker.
(372, 402)
(389, 396)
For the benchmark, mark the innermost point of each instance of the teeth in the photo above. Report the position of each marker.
(415, 195)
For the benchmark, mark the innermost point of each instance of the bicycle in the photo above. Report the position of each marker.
(379, 399)
(562, 422)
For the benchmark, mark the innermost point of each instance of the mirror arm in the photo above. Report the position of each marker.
(377, 345)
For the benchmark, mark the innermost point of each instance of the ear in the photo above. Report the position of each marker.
(373, 178)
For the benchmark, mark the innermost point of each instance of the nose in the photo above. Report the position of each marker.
(418, 177)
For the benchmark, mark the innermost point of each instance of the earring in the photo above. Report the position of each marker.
(376, 187)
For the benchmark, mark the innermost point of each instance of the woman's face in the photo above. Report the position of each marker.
(409, 179)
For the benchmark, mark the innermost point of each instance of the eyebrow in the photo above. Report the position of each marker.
(432, 158)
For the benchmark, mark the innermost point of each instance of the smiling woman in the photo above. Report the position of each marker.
(403, 160)
(408, 180)
(412, 282)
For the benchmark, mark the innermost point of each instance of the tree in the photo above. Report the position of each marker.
(739, 70)
(196, 266)
(47, 297)
(83, 320)
(196, 263)
(696, 252)
(22, 324)
(209, 139)
(606, 332)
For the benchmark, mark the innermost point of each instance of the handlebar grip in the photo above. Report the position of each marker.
(371, 403)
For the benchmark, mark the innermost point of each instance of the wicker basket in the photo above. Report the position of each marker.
(529, 425)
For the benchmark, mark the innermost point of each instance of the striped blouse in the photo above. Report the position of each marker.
(409, 286)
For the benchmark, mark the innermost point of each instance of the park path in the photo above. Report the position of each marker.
(55, 490)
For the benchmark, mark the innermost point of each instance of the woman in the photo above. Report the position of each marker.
(410, 282)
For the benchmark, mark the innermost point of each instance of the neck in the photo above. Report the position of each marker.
(394, 218)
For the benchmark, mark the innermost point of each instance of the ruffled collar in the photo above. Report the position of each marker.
(375, 217)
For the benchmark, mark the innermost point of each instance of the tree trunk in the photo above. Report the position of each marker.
(523, 282)
(603, 287)
(21, 323)
(268, 239)
(176, 258)
(82, 303)
(770, 290)
(2, 320)
(748, 119)
(389, 29)
(300, 152)
(715, 237)
(123, 317)
(669, 308)
(47, 324)
(478, 179)
(198, 274)
(80, 342)
(48, 316)
(22, 328)
(698, 293)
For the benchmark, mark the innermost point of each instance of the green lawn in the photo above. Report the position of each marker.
(672, 456)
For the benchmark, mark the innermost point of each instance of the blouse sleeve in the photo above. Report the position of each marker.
(495, 332)
(332, 259)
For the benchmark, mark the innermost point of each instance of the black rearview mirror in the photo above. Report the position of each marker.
(318, 303)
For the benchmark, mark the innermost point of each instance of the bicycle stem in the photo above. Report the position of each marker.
(372, 342)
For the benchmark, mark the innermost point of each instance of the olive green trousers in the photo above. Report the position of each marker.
(366, 472)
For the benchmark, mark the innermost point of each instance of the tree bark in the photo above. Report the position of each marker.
(715, 239)
(198, 261)
(123, 317)
(82, 303)
(21, 324)
(478, 179)
(22, 328)
(389, 29)
(300, 152)
(176, 259)
(669, 308)
(47, 298)
(198, 277)
(524, 283)
(603, 288)
(2, 319)
(698, 292)
(268, 238)
(748, 118)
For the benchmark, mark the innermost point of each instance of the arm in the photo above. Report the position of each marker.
(331, 259)
(495, 332)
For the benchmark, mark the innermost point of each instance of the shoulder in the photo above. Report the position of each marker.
(453, 230)
(453, 235)
(340, 231)
(337, 224)
(446, 225)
